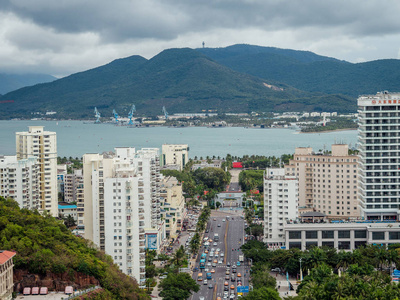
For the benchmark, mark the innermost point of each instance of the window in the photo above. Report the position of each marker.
(293, 235)
(294, 245)
(328, 244)
(394, 235)
(343, 245)
(311, 234)
(344, 234)
(311, 244)
(360, 234)
(327, 234)
(378, 235)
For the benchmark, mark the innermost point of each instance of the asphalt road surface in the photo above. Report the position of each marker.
(231, 236)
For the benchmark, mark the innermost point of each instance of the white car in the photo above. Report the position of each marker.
(222, 254)
(223, 220)
(218, 249)
(220, 261)
(215, 244)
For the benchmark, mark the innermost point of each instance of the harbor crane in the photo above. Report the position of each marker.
(97, 115)
(130, 115)
(164, 110)
(115, 116)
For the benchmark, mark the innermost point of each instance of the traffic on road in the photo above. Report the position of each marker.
(220, 268)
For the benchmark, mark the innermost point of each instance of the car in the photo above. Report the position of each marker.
(226, 277)
(215, 261)
(234, 270)
(212, 270)
(208, 264)
(239, 275)
(227, 272)
(232, 296)
(218, 298)
(239, 283)
(232, 287)
(233, 278)
(212, 249)
(218, 249)
(206, 270)
(206, 251)
(228, 268)
(215, 244)
(205, 282)
(206, 230)
(222, 254)
(223, 220)
(210, 240)
(206, 238)
(215, 219)
(226, 288)
(210, 286)
(216, 254)
(219, 225)
(220, 261)
(210, 259)
(214, 264)
(163, 277)
(201, 298)
(238, 263)
(228, 264)
(169, 248)
(275, 270)
(211, 254)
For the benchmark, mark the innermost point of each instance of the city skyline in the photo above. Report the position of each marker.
(67, 37)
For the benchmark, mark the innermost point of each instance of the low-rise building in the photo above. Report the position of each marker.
(340, 235)
(175, 154)
(67, 209)
(6, 274)
(216, 163)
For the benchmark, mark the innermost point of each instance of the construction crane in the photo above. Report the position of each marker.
(164, 110)
(130, 115)
(115, 116)
(97, 115)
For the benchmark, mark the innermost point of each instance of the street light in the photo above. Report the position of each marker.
(301, 272)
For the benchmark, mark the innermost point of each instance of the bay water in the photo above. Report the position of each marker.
(75, 138)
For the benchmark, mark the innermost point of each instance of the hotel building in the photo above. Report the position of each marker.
(379, 145)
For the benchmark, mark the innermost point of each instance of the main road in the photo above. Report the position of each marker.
(230, 227)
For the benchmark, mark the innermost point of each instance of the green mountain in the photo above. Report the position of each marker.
(183, 80)
(11, 82)
(50, 253)
(310, 72)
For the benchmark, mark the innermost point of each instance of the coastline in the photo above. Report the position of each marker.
(326, 131)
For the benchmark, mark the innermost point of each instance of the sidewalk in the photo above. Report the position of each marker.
(284, 285)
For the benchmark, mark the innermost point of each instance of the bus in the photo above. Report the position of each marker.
(216, 237)
(202, 263)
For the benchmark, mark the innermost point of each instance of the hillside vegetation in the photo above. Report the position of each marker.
(183, 80)
(308, 71)
(45, 246)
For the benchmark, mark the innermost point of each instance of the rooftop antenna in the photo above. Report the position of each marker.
(204, 44)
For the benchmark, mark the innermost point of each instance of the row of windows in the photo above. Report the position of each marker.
(344, 234)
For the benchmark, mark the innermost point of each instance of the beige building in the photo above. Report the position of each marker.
(6, 274)
(327, 182)
(43, 145)
(172, 205)
(173, 154)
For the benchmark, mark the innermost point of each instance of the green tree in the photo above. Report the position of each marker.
(178, 286)
(263, 293)
(262, 278)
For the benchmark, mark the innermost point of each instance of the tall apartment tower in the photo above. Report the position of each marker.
(280, 205)
(122, 206)
(327, 181)
(379, 145)
(19, 180)
(43, 145)
(175, 155)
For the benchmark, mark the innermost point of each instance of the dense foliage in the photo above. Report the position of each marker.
(178, 286)
(251, 179)
(44, 245)
(361, 275)
(184, 80)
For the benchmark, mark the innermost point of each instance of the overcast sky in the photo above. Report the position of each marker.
(61, 37)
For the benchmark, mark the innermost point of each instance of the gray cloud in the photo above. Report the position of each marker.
(73, 34)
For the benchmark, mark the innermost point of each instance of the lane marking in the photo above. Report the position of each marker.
(226, 245)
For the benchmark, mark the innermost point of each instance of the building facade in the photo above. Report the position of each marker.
(6, 274)
(172, 205)
(280, 205)
(379, 146)
(71, 186)
(342, 236)
(43, 145)
(19, 180)
(122, 206)
(328, 182)
(175, 154)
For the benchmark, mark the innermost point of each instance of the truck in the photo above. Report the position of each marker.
(241, 258)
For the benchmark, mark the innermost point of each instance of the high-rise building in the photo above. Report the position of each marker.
(19, 180)
(328, 182)
(280, 205)
(122, 206)
(71, 184)
(175, 155)
(43, 145)
(379, 145)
